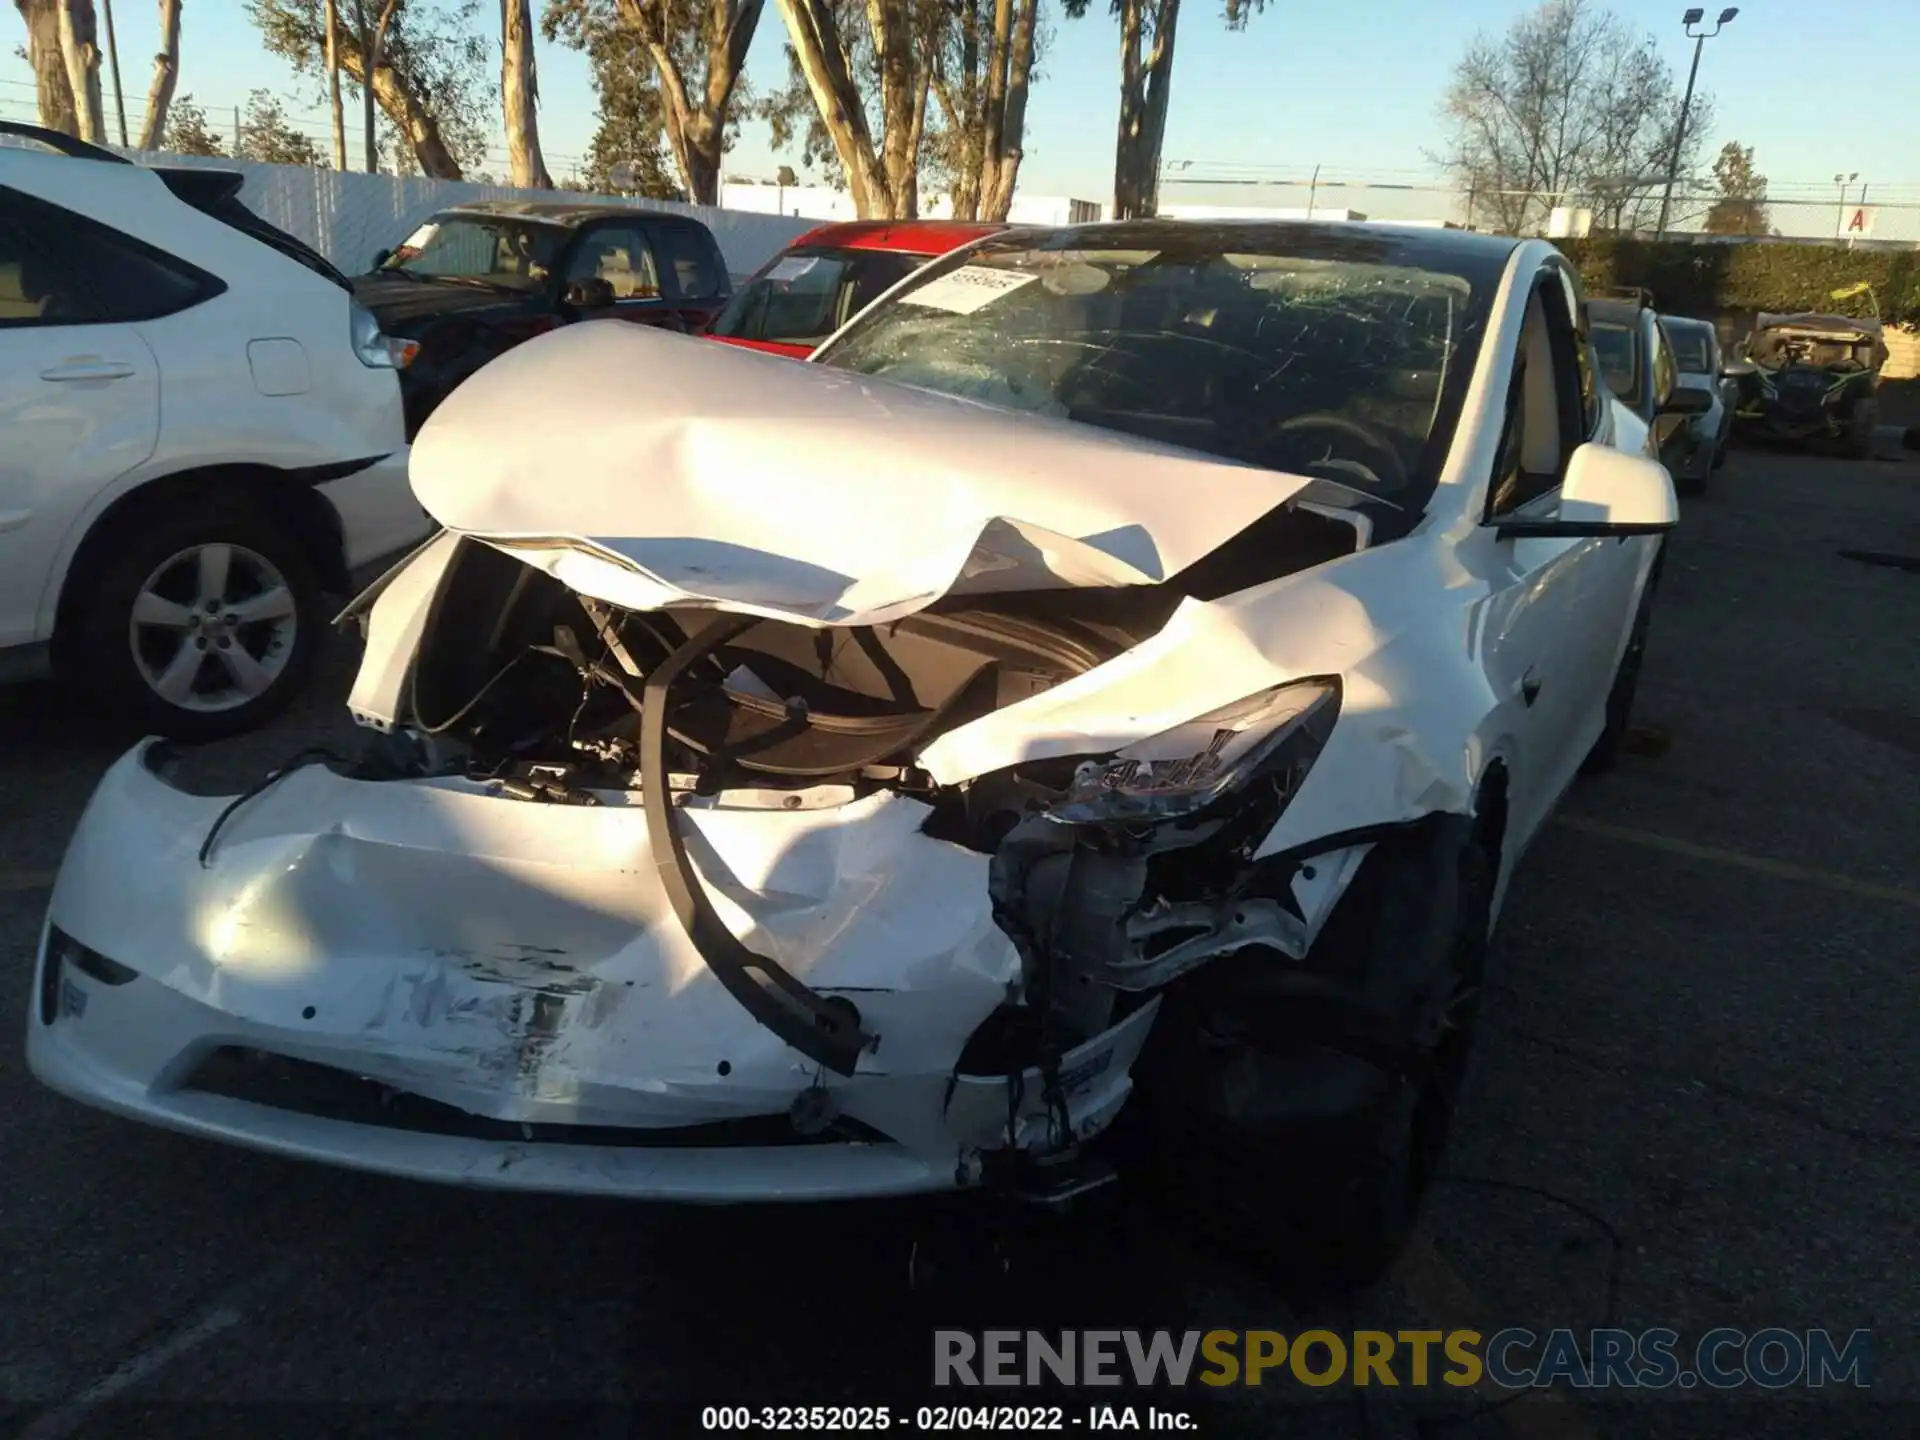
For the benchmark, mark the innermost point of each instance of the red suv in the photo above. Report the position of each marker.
(828, 276)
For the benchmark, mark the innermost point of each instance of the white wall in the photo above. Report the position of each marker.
(815, 203)
(348, 216)
(1256, 212)
(822, 203)
(1029, 210)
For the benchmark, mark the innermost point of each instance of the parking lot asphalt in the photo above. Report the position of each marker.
(1691, 1105)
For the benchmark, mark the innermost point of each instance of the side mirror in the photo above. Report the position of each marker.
(1737, 369)
(1606, 493)
(1688, 400)
(593, 293)
(381, 256)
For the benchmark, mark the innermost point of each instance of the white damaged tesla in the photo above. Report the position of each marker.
(1085, 719)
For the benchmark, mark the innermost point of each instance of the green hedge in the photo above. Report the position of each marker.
(1711, 280)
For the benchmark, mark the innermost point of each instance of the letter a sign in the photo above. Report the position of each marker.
(1860, 221)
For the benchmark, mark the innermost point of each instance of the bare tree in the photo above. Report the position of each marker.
(52, 89)
(334, 108)
(520, 95)
(80, 47)
(113, 68)
(1147, 30)
(699, 51)
(867, 66)
(373, 41)
(166, 74)
(982, 72)
(627, 152)
(431, 79)
(1569, 106)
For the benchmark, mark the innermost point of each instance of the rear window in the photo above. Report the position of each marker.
(1619, 361)
(693, 259)
(806, 295)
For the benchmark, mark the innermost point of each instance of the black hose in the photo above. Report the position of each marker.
(312, 756)
(826, 1030)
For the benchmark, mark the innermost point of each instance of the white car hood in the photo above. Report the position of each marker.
(647, 468)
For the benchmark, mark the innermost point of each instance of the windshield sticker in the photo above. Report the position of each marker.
(792, 267)
(963, 291)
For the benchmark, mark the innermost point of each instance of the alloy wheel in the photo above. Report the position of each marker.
(213, 627)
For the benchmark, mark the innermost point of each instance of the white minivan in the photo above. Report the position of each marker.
(202, 435)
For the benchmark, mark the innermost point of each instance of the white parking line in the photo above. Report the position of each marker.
(1761, 864)
(65, 1420)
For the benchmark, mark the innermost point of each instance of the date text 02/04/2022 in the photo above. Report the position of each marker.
(941, 1419)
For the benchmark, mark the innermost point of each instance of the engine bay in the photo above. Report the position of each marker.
(521, 681)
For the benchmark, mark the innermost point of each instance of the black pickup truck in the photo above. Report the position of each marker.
(478, 279)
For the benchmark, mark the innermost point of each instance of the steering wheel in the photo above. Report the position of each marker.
(1345, 433)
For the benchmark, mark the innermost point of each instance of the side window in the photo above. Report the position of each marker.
(1593, 392)
(690, 255)
(620, 255)
(1543, 405)
(59, 268)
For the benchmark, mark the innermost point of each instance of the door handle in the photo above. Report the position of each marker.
(88, 370)
(1529, 688)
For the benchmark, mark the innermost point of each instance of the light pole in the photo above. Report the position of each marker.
(1692, 20)
(1843, 181)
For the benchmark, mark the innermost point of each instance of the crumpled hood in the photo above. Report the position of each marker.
(647, 469)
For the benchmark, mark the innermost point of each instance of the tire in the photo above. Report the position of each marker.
(1860, 428)
(1302, 1130)
(147, 616)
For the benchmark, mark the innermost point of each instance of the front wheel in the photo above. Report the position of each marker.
(200, 624)
(1860, 427)
(1300, 1124)
(1605, 754)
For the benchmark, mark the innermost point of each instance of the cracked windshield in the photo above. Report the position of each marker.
(1258, 356)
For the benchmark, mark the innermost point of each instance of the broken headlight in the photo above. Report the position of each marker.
(1182, 771)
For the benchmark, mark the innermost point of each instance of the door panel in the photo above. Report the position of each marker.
(79, 407)
(1540, 646)
(1558, 608)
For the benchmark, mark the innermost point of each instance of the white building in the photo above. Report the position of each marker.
(1031, 210)
(769, 197)
(1255, 212)
(822, 202)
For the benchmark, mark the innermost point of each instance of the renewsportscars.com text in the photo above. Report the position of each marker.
(1517, 1359)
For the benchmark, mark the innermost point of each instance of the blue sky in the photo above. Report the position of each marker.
(1351, 87)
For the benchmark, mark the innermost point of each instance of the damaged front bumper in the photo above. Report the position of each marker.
(424, 979)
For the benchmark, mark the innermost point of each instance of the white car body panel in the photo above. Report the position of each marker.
(519, 961)
(200, 386)
(66, 438)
